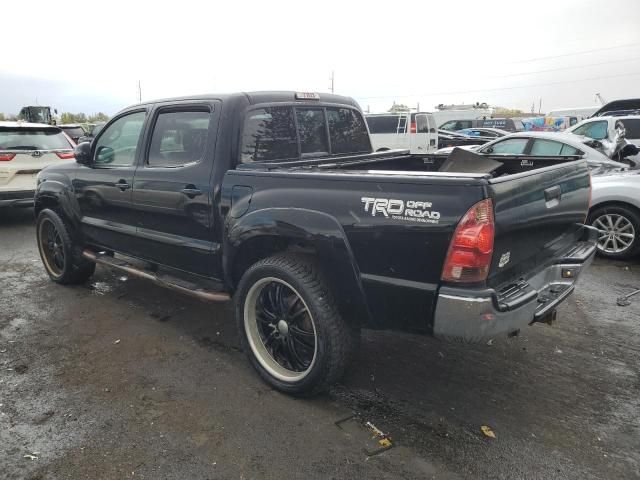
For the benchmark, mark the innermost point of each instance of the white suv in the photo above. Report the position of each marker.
(25, 149)
(603, 129)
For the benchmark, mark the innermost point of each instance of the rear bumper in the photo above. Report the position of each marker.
(21, 198)
(469, 315)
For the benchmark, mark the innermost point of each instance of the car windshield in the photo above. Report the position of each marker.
(73, 132)
(18, 138)
(96, 129)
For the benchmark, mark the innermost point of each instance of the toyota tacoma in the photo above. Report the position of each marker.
(276, 200)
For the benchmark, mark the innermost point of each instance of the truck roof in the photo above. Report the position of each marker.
(263, 97)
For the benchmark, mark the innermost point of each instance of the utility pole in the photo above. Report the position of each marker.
(332, 80)
(540, 107)
(139, 92)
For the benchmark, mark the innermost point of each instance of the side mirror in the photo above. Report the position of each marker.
(82, 153)
(489, 150)
(104, 155)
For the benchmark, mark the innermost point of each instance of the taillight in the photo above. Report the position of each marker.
(6, 157)
(65, 155)
(471, 247)
(413, 128)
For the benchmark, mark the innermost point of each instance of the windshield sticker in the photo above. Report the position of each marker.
(411, 210)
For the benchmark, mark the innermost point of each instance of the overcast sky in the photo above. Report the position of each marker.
(507, 53)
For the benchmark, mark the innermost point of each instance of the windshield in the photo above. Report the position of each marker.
(73, 132)
(16, 138)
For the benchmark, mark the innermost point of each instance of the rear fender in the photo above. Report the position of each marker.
(292, 227)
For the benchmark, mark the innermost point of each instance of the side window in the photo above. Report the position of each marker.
(178, 138)
(450, 125)
(632, 128)
(383, 123)
(595, 130)
(347, 131)
(569, 150)
(546, 147)
(269, 134)
(510, 146)
(118, 144)
(312, 131)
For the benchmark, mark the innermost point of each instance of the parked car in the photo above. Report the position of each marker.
(25, 149)
(277, 199)
(615, 212)
(543, 145)
(603, 130)
(458, 139)
(482, 132)
(507, 124)
(627, 106)
(74, 130)
(92, 130)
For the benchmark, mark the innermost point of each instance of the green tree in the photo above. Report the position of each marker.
(501, 112)
(98, 117)
(398, 107)
(2, 117)
(67, 117)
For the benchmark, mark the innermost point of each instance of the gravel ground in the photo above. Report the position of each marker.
(122, 379)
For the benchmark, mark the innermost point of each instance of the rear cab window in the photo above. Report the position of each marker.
(282, 133)
(21, 138)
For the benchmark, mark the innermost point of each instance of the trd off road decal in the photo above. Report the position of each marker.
(411, 210)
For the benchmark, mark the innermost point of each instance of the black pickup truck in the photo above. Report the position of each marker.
(276, 199)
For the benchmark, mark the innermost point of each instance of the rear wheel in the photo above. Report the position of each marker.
(61, 258)
(619, 228)
(290, 327)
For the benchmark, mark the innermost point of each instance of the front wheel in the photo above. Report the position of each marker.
(59, 255)
(290, 327)
(619, 228)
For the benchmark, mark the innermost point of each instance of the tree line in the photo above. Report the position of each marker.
(66, 117)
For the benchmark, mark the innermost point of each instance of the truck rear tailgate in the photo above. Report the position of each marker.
(538, 216)
(540, 248)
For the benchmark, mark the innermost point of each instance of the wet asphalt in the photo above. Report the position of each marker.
(122, 379)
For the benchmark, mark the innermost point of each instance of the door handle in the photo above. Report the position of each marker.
(122, 185)
(191, 191)
(552, 196)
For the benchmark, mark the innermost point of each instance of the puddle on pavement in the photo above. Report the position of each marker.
(100, 288)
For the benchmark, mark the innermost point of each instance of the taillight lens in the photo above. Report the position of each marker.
(65, 155)
(413, 128)
(469, 256)
(6, 157)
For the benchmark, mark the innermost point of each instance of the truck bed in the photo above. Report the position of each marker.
(538, 215)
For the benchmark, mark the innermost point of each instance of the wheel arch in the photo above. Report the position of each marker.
(613, 203)
(263, 233)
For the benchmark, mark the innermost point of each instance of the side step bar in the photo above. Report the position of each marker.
(163, 280)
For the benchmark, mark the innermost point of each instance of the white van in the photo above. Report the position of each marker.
(416, 132)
